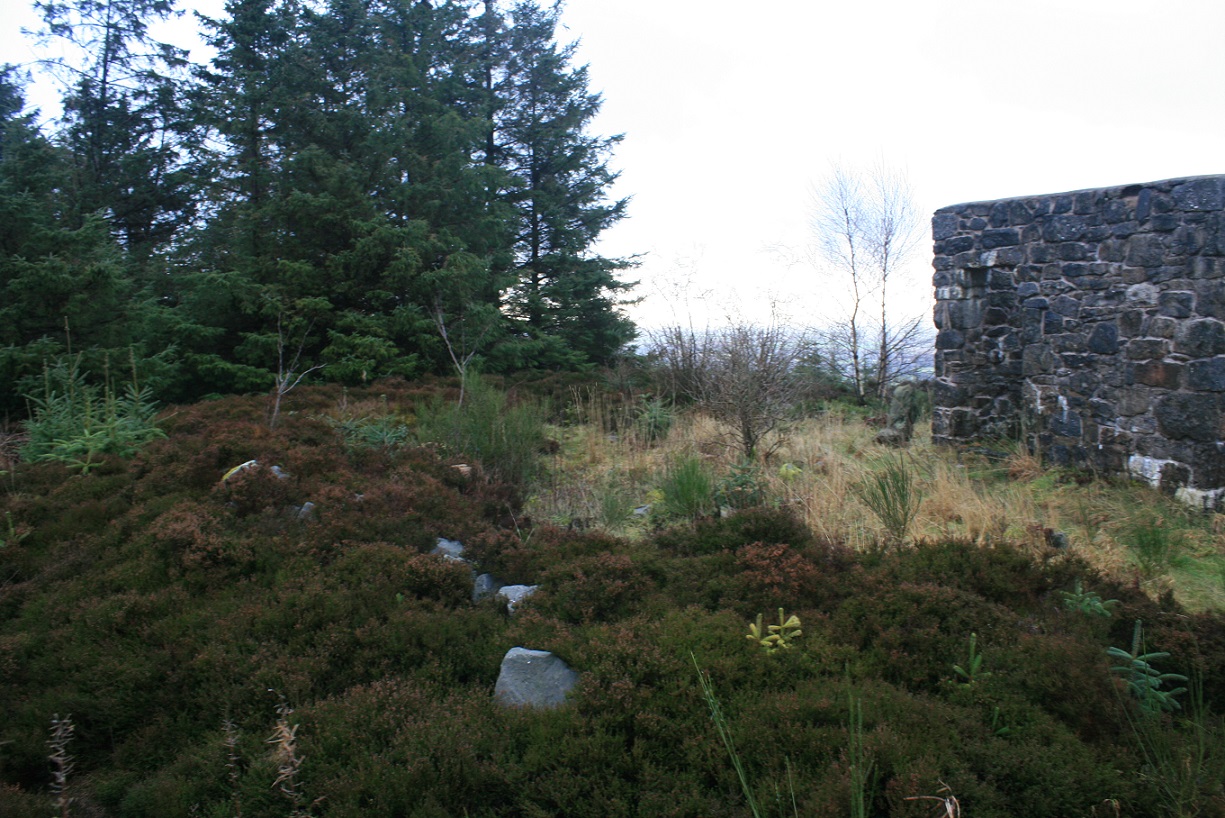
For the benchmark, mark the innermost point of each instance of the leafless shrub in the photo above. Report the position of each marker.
(284, 741)
(742, 374)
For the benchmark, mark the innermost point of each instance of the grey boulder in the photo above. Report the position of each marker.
(449, 549)
(533, 678)
(515, 594)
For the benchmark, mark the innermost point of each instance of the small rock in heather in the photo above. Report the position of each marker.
(533, 678)
(514, 594)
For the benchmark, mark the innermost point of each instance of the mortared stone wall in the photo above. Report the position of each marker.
(1092, 324)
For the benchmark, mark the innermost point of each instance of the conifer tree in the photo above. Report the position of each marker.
(58, 276)
(123, 117)
(560, 191)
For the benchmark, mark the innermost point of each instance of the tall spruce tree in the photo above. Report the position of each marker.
(60, 278)
(347, 192)
(566, 295)
(123, 117)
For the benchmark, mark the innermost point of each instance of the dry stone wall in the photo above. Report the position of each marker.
(1091, 324)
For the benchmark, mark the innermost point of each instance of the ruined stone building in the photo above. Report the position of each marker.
(1092, 324)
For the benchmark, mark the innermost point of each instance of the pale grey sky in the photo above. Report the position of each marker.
(732, 112)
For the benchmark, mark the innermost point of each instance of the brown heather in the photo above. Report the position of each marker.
(160, 606)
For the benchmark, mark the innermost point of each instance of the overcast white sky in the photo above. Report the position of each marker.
(731, 113)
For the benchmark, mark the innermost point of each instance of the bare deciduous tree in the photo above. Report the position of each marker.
(287, 375)
(464, 339)
(865, 228)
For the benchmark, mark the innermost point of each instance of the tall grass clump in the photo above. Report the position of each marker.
(76, 422)
(893, 494)
(1155, 545)
(506, 439)
(687, 488)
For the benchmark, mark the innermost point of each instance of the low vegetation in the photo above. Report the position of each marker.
(925, 629)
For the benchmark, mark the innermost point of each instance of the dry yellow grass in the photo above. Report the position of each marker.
(597, 477)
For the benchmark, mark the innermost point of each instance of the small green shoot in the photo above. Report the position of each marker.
(972, 671)
(1144, 680)
(775, 637)
(1087, 602)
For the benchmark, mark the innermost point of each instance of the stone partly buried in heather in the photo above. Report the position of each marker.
(533, 678)
(515, 594)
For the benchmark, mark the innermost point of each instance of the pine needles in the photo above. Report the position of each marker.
(76, 423)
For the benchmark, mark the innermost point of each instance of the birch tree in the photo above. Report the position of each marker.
(865, 229)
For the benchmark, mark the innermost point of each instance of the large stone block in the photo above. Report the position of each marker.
(1147, 349)
(944, 225)
(1037, 360)
(533, 678)
(1161, 374)
(953, 246)
(1207, 376)
(1145, 250)
(1104, 339)
(1188, 416)
(1200, 339)
(1176, 304)
(1064, 228)
(1210, 299)
(1200, 194)
(950, 339)
(1002, 237)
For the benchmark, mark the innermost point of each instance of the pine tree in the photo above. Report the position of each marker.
(349, 194)
(58, 277)
(123, 117)
(561, 181)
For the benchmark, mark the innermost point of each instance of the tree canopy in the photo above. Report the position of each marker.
(383, 184)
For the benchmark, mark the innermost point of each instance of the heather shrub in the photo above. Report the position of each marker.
(1001, 573)
(680, 582)
(911, 634)
(256, 489)
(382, 748)
(155, 613)
(776, 575)
(1077, 689)
(193, 534)
(18, 803)
(761, 525)
(589, 589)
(525, 557)
(390, 572)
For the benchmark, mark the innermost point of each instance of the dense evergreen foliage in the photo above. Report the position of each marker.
(351, 179)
